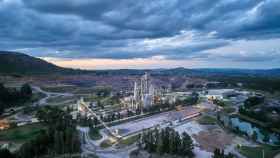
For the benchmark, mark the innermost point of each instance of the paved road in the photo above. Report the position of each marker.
(277, 156)
(43, 101)
(91, 147)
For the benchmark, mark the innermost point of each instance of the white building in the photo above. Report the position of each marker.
(219, 93)
(143, 94)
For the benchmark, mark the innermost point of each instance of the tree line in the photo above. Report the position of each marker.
(254, 100)
(265, 83)
(11, 97)
(261, 116)
(166, 141)
(221, 154)
(60, 136)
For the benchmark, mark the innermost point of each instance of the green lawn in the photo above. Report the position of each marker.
(207, 120)
(80, 90)
(229, 109)
(60, 89)
(129, 141)
(257, 152)
(106, 143)
(21, 134)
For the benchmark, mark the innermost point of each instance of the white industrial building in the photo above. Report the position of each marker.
(143, 94)
(219, 93)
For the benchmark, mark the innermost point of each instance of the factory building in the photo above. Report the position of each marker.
(143, 94)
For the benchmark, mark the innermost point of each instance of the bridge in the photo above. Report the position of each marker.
(85, 107)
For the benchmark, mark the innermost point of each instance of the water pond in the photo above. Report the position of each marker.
(262, 135)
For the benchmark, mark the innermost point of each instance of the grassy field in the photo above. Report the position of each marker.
(257, 152)
(21, 134)
(228, 103)
(80, 90)
(60, 89)
(229, 109)
(106, 143)
(128, 141)
(61, 99)
(207, 120)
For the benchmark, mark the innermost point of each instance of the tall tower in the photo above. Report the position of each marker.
(143, 93)
(135, 91)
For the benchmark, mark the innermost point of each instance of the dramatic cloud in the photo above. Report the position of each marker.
(226, 30)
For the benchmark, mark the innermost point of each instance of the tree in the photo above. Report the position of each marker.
(139, 141)
(252, 101)
(266, 137)
(95, 121)
(220, 154)
(187, 145)
(57, 142)
(159, 148)
(103, 91)
(217, 153)
(10, 97)
(26, 91)
(60, 136)
(2, 107)
(177, 143)
(5, 153)
(255, 136)
(168, 141)
(3, 91)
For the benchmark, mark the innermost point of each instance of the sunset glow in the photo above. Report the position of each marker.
(119, 64)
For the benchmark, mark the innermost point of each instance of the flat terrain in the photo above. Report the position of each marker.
(128, 141)
(213, 138)
(257, 152)
(207, 120)
(22, 133)
(138, 125)
(60, 88)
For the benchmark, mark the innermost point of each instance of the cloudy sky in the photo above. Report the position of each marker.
(111, 34)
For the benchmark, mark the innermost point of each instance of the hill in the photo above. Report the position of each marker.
(18, 63)
(207, 72)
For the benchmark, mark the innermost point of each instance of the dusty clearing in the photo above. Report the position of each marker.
(213, 138)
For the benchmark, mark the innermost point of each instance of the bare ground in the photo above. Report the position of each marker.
(213, 138)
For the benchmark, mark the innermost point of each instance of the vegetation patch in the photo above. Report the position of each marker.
(37, 96)
(129, 141)
(60, 89)
(166, 141)
(61, 99)
(220, 103)
(60, 136)
(13, 97)
(257, 152)
(229, 110)
(106, 143)
(94, 134)
(207, 120)
(22, 133)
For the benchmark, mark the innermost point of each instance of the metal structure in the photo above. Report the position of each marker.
(143, 93)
